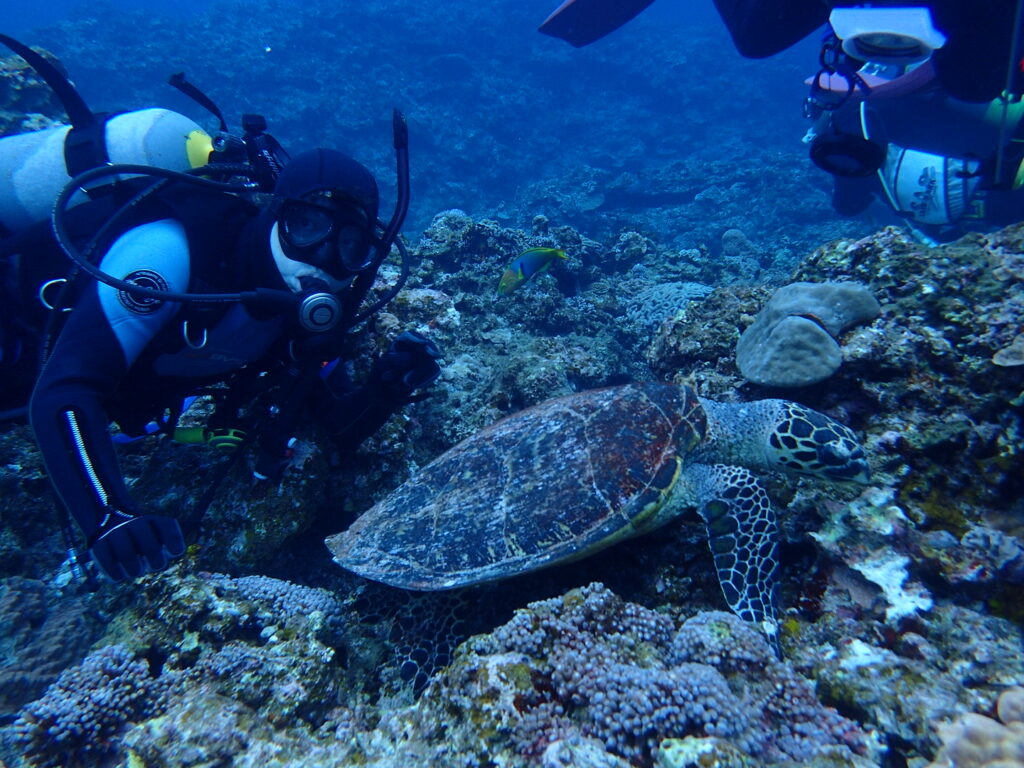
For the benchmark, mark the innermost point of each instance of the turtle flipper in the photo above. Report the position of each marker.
(744, 539)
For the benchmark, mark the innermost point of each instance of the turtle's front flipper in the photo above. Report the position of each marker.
(744, 539)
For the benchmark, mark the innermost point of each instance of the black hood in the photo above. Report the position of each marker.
(319, 169)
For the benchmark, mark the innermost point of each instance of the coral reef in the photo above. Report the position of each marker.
(29, 541)
(40, 635)
(892, 567)
(943, 421)
(27, 103)
(591, 665)
(923, 376)
(77, 720)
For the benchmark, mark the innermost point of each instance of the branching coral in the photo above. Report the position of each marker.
(76, 720)
(603, 668)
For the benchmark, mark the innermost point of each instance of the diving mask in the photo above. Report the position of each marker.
(899, 36)
(327, 230)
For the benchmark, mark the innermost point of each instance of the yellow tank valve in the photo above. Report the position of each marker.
(198, 145)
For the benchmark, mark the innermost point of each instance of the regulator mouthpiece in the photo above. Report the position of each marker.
(319, 309)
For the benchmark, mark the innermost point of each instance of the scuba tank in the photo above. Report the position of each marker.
(33, 168)
(36, 166)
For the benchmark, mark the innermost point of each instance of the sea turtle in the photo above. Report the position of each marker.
(568, 477)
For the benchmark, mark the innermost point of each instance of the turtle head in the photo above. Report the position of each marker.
(806, 442)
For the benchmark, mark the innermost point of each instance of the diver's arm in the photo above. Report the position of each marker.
(762, 28)
(356, 412)
(103, 336)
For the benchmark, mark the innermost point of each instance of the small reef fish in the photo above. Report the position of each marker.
(530, 262)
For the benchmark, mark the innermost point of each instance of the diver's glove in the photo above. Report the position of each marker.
(125, 546)
(409, 364)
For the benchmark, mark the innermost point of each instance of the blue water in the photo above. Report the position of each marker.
(504, 122)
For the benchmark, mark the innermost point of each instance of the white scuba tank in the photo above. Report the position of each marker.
(927, 188)
(32, 169)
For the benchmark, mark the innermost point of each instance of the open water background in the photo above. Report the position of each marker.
(505, 122)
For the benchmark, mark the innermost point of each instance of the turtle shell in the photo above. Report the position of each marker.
(548, 484)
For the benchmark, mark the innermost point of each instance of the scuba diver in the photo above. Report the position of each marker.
(922, 115)
(246, 273)
(917, 104)
(971, 65)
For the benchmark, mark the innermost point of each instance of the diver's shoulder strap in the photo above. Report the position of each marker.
(213, 222)
(85, 146)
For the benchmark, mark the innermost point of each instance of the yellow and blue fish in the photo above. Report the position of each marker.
(530, 262)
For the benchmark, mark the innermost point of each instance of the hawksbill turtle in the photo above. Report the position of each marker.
(570, 476)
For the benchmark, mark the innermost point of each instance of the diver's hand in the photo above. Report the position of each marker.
(126, 546)
(410, 363)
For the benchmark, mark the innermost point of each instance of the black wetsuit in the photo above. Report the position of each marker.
(123, 358)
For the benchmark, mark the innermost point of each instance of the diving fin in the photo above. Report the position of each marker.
(581, 22)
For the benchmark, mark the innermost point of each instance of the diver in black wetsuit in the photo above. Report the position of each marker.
(230, 264)
(126, 357)
(917, 103)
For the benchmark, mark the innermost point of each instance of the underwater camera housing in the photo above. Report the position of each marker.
(888, 35)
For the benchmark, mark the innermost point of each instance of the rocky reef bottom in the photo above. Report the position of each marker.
(901, 628)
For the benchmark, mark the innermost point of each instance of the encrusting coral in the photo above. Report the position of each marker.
(793, 341)
(977, 741)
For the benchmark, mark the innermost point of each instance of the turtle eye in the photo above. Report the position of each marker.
(840, 452)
